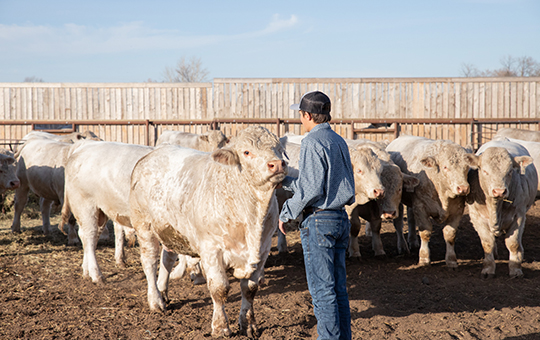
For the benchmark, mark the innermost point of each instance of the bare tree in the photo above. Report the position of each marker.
(511, 67)
(33, 79)
(190, 71)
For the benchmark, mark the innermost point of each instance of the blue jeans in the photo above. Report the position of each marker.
(325, 236)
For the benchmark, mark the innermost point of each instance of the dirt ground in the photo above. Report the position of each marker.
(44, 296)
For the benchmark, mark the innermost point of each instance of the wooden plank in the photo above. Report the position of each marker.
(519, 101)
(526, 100)
(513, 100)
(534, 100)
(507, 100)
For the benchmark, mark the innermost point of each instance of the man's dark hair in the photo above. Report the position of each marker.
(319, 118)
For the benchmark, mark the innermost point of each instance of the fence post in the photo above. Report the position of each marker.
(147, 133)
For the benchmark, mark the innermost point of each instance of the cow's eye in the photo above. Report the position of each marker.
(246, 153)
(359, 171)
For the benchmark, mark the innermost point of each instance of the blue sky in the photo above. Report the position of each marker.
(132, 41)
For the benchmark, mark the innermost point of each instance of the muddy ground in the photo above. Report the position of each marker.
(44, 296)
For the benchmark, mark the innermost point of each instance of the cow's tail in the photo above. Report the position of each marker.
(66, 214)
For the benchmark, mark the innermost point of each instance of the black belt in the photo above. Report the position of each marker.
(310, 210)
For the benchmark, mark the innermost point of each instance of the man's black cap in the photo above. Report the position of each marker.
(314, 102)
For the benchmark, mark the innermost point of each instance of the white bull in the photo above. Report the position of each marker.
(220, 206)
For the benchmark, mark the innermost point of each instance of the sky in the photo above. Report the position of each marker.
(134, 41)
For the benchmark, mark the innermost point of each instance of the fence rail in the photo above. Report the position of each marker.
(466, 132)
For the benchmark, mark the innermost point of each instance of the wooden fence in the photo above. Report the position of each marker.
(449, 108)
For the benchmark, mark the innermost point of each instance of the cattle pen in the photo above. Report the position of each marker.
(467, 111)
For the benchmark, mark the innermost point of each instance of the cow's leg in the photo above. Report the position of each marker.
(45, 207)
(150, 250)
(425, 229)
(282, 242)
(180, 270)
(398, 225)
(168, 258)
(354, 218)
(411, 221)
(515, 248)
(119, 244)
(104, 236)
(90, 227)
(449, 232)
(247, 321)
(21, 197)
(192, 266)
(488, 244)
(73, 239)
(218, 285)
(376, 242)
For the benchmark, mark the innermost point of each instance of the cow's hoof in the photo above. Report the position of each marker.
(424, 263)
(486, 276)
(121, 264)
(226, 332)
(252, 332)
(165, 296)
(517, 275)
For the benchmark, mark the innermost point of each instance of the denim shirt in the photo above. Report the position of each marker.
(325, 179)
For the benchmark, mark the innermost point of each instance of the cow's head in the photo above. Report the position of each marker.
(496, 168)
(214, 139)
(367, 170)
(448, 166)
(258, 154)
(8, 178)
(394, 182)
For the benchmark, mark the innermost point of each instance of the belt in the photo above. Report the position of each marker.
(310, 210)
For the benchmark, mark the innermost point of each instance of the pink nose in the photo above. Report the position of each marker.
(379, 193)
(463, 189)
(387, 215)
(276, 166)
(14, 184)
(499, 192)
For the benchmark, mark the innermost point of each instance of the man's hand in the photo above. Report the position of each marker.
(281, 227)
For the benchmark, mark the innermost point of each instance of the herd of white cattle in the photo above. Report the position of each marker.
(210, 203)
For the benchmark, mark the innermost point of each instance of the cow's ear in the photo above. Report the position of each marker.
(5, 159)
(429, 162)
(522, 162)
(472, 160)
(410, 182)
(203, 138)
(225, 156)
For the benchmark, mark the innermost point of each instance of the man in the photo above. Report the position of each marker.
(325, 184)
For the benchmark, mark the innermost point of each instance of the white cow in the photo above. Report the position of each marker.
(383, 208)
(220, 206)
(209, 141)
(534, 151)
(442, 167)
(97, 182)
(66, 138)
(40, 168)
(530, 135)
(502, 190)
(8, 178)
